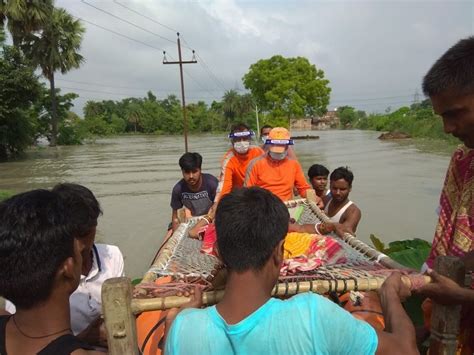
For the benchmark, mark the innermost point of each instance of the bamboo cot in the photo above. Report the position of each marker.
(179, 258)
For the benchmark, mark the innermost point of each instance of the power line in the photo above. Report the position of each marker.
(126, 21)
(120, 34)
(201, 61)
(123, 94)
(148, 18)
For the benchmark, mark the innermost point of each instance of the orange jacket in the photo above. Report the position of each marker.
(277, 177)
(233, 170)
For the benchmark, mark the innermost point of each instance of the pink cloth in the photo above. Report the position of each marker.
(323, 251)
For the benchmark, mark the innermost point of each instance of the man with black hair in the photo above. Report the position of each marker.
(342, 212)
(195, 191)
(235, 160)
(450, 85)
(40, 267)
(318, 177)
(99, 263)
(264, 132)
(251, 226)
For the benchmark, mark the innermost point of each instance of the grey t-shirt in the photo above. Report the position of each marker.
(198, 202)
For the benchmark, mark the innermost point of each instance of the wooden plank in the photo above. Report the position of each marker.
(445, 319)
(118, 316)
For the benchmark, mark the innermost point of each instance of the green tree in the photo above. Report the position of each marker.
(230, 102)
(24, 17)
(289, 87)
(19, 89)
(42, 110)
(55, 48)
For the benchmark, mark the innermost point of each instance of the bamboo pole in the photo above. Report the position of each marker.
(118, 316)
(358, 244)
(280, 290)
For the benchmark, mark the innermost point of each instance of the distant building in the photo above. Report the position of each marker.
(329, 120)
(301, 123)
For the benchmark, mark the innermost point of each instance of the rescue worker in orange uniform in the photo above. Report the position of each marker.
(275, 171)
(236, 159)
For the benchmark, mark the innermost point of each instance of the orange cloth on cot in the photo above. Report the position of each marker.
(279, 177)
(146, 321)
(233, 169)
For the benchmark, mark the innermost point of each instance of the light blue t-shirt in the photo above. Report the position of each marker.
(304, 324)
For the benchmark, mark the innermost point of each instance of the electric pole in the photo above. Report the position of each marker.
(181, 62)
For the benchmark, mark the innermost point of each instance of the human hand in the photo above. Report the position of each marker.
(194, 302)
(442, 289)
(95, 333)
(394, 284)
(319, 202)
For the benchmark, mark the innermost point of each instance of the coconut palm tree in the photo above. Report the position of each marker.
(55, 48)
(24, 16)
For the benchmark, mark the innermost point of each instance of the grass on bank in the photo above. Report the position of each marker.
(4, 194)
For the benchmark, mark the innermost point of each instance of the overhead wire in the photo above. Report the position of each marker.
(126, 21)
(186, 44)
(118, 34)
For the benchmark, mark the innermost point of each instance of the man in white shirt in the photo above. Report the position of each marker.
(99, 263)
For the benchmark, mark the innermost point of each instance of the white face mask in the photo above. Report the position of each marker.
(264, 139)
(277, 156)
(242, 147)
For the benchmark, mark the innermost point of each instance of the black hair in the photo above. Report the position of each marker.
(250, 222)
(190, 161)
(84, 207)
(35, 239)
(239, 127)
(263, 127)
(317, 170)
(342, 173)
(454, 70)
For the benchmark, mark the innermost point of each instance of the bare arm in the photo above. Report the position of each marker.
(443, 290)
(349, 221)
(174, 220)
(399, 335)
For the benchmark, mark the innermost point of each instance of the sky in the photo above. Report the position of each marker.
(374, 53)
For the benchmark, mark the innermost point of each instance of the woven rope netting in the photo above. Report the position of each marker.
(181, 259)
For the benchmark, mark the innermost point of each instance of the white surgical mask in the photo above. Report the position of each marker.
(242, 147)
(278, 156)
(264, 139)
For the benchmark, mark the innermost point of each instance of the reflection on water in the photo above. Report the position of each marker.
(396, 185)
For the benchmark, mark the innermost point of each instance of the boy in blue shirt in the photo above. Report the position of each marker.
(251, 226)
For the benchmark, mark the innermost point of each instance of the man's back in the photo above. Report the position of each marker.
(304, 324)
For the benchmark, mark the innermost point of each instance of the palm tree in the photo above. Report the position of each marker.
(230, 105)
(55, 48)
(24, 16)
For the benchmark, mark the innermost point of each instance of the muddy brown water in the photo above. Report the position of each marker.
(396, 184)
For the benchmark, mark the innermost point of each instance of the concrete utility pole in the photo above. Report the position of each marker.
(181, 62)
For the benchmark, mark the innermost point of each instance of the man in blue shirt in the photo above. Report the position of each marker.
(251, 225)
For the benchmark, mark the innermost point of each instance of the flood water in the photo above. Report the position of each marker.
(396, 184)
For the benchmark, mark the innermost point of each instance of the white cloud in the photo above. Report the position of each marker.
(368, 49)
